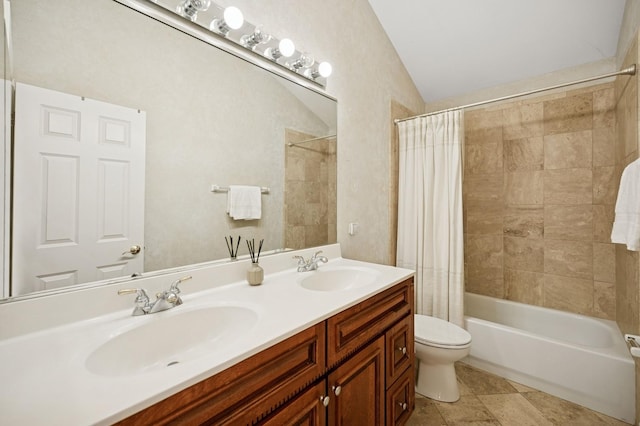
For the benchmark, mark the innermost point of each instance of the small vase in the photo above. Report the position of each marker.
(255, 274)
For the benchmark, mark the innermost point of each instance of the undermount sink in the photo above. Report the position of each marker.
(339, 278)
(167, 340)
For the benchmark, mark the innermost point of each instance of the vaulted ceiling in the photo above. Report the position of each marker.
(455, 47)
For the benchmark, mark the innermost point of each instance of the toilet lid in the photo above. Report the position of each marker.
(439, 332)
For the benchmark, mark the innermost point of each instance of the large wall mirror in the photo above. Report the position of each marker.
(123, 125)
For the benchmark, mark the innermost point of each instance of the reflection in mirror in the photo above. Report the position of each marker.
(100, 87)
(5, 162)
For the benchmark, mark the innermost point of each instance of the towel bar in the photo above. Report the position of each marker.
(216, 188)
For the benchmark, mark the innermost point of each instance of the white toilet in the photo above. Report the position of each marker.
(438, 345)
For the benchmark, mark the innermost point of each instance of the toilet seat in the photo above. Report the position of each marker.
(436, 332)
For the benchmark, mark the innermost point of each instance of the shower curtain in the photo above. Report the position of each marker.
(430, 236)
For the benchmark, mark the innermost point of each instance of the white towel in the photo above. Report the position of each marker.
(626, 227)
(244, 202)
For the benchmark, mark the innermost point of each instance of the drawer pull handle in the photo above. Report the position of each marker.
(403, 405)
(403, 350)
(325, 400)
(336, 389)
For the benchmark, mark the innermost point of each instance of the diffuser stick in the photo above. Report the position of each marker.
(228, 246)
(238, 246)
(233, 249)
(259, 250)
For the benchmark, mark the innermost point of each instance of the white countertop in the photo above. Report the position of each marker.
(45, 380)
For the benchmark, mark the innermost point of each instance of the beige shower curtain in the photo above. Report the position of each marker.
(430, 236)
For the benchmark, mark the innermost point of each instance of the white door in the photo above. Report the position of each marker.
(5, 179)
(78, 199)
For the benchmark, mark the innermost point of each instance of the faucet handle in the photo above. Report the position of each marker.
(301, 260)
(315, 256)
(142, 299)
(141, 292)
(174, 285)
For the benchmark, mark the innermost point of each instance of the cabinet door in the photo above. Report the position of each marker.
(357, 388)
(307, 409)
(401, 399)
(400, 356)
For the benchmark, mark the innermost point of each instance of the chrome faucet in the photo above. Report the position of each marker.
(164, 300)
(312, 263)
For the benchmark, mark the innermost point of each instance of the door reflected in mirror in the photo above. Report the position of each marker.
(209, 119)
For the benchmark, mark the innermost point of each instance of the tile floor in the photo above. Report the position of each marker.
(486, 399)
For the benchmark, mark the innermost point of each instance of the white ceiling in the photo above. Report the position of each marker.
(455, 47)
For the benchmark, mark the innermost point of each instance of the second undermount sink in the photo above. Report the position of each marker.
(167, 340)
(339, 278)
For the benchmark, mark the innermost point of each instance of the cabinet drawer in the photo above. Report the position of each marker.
(399, 349)
(352, 328)
(400, 399)
(248, 390)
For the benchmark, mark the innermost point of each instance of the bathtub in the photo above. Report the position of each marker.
(574, 357)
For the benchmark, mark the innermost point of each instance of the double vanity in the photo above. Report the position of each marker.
(326, 345)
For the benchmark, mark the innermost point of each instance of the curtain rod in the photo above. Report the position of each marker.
(311, 140)
(627, 71)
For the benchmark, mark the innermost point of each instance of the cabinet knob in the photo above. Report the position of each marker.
(336, 389)
(403, 405)
(325, 400)
(403, 350)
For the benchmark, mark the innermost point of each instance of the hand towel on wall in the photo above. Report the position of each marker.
(244, 202)
(626, 226)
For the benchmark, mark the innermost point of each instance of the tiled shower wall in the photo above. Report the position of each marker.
(627, 262)
(310, 191)
(539, 193)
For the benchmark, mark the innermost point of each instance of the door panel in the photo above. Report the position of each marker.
(83, 161)
(357, 388)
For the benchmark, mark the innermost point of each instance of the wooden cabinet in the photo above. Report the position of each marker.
(352, 328)
(249, 389)
(357, 388)
(354, 368)
(400, 399)
(309, 408)
(399, 349)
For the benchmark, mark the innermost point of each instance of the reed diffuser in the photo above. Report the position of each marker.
(255, 273)
(233, 251)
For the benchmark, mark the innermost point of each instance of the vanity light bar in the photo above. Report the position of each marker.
(229, 24)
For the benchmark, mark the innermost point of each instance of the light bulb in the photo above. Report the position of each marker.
(233, 17)
(304, 61)
(286, 47)
(322, 70)
(232, 20)
(190, 8)
(325, 69)
(250, 41)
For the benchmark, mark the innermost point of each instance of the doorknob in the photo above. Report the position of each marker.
(133, 250)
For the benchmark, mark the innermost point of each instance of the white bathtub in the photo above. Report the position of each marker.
(574, 357)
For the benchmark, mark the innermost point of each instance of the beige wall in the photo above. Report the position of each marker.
(539, 191)
(368, 74)
(627, 286)
(627, 262)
